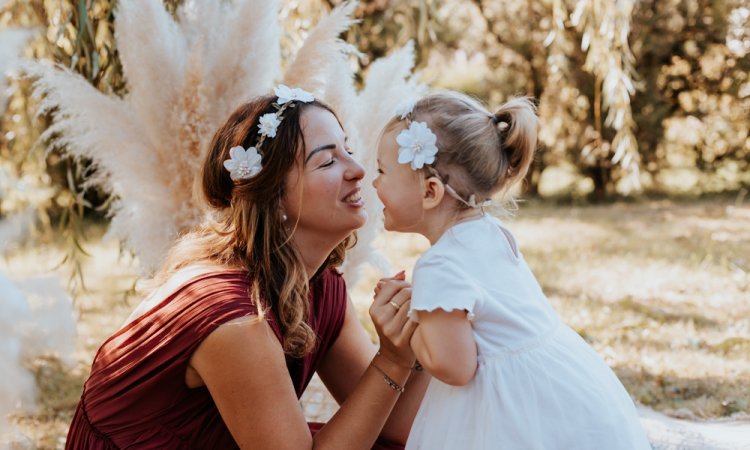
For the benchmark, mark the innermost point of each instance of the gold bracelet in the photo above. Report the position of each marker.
(388, 380)
(417, 366)
(389, 359)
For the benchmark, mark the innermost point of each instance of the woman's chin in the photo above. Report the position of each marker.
(358, 221)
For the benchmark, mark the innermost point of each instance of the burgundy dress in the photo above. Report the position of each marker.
(136, 396)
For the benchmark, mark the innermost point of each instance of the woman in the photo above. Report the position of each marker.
(248, 307)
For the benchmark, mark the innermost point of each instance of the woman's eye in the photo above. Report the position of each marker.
(349, 151)
(380, 171)
(329, 163)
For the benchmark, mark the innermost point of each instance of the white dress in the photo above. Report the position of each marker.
(538, 384)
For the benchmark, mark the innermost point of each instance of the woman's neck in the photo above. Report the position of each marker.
(314, 250)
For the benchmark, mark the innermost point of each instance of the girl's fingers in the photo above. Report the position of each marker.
(400, 276)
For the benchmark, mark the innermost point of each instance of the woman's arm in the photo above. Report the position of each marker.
(444, 344)
(243, 366)
(348, 359)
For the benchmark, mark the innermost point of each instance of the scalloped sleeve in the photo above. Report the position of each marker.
(440, 283)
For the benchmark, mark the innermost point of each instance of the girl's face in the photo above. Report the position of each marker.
(398, 186)
(323, 198)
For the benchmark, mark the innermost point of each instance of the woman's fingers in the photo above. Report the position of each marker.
(396, 338)
(390, 314)
(400, 299)
(401, 318)
(395, 321)
(387, 291)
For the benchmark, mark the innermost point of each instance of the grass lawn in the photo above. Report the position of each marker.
(660, 289)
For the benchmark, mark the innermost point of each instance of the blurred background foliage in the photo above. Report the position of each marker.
(636, 98)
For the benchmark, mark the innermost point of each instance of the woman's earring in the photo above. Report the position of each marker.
(284, 217)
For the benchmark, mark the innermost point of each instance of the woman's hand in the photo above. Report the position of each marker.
(389, 312)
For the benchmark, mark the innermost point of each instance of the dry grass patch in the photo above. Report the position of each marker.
(661, 290)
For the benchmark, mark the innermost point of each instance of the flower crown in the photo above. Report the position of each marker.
(244, 164)
(417, 146)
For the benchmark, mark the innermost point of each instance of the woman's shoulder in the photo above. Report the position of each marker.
(208, 288)
(203, 279)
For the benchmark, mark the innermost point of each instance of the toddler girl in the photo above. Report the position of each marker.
(507, 374)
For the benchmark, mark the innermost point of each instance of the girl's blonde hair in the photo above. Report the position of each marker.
(247, 229)
(479, 152)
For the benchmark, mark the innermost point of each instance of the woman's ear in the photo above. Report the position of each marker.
(434, 191)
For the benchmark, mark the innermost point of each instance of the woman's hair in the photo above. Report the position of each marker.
(246, 229)
(479, 152)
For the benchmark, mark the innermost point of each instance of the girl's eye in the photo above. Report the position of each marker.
(349, 151)
(380, 171)
(329, 163)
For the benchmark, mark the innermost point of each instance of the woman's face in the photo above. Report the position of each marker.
(398, 186)
(323, 198)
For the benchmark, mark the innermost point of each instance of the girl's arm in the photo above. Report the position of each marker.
(444, 344)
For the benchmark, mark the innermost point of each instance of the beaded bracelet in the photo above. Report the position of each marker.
(389, 381)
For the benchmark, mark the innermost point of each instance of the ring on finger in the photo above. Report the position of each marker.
(395, 305)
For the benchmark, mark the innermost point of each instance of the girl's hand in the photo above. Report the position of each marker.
(389, 312)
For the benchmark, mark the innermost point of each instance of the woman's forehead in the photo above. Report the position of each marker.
(320, 124)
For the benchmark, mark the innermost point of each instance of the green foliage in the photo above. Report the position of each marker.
(654, 93)
(78, 34)
(631, 93)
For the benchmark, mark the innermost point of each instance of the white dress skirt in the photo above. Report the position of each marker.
(538, 384)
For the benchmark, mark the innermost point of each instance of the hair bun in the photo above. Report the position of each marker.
(502, 119)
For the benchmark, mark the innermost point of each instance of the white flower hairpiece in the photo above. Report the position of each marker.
(243, 164)
(268, 125)
(417, 145)
(246, 163)
(287, 94)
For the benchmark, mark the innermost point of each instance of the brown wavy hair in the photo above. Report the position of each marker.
(246, 230)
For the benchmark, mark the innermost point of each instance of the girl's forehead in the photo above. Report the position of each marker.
(387, 144)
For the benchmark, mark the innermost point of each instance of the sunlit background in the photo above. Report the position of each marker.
(634, 216)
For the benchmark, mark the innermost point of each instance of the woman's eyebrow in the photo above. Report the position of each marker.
(320, 149)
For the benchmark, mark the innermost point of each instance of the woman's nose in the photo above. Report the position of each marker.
(355, 170)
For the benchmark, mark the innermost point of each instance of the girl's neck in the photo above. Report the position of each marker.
(444, 219)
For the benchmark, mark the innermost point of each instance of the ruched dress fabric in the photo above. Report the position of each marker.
(538, 384)
(136, 396)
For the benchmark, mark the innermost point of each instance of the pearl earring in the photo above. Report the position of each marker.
(284, 217)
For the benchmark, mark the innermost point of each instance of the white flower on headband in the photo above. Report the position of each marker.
(405, 108)
(243, 164)
(417, 145)
(286, 94)
(268, 125)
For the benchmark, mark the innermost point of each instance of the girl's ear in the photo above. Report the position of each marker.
(434, 191)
